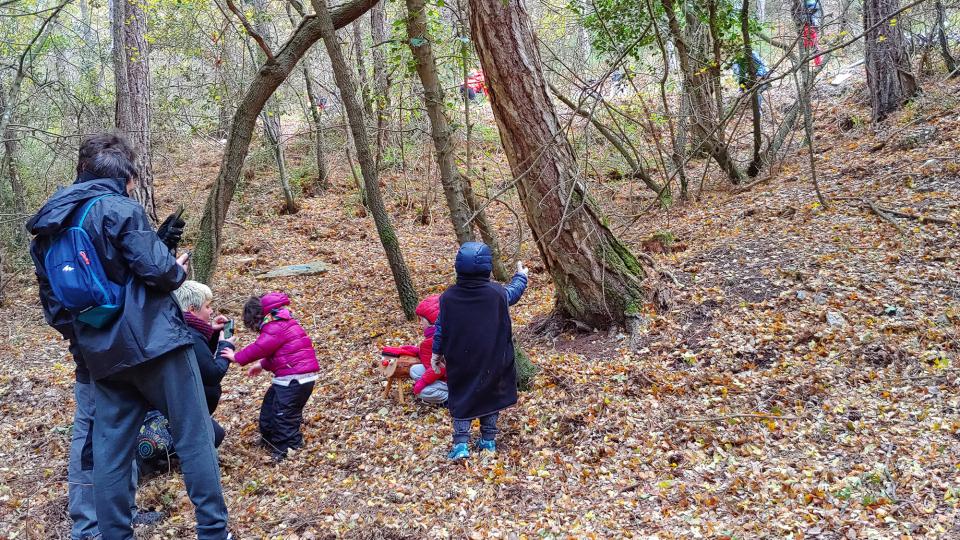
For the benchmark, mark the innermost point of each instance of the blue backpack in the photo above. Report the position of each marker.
(77, 276)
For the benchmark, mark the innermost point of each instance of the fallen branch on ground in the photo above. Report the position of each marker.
(883, 215)
(736, 416)
(921, 219)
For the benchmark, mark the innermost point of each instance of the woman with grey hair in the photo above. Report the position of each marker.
(195, 300)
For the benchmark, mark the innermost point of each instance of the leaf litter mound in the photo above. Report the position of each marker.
(803, 383)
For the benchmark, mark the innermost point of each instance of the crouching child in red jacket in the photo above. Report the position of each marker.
(285, 349)
(428, 385)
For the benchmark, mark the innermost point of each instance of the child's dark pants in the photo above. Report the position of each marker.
(281, 415)
(488, 428)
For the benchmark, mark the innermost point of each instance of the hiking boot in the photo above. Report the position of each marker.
(146, 517)
(483, 445)
(459, 451)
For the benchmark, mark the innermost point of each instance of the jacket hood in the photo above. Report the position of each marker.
(52, 216)
(474, 259)
(429, 308)
(272, 301)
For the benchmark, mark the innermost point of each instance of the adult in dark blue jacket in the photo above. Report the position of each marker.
(475, 339)
(144, 357)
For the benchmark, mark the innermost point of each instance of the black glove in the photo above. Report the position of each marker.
(171, 230)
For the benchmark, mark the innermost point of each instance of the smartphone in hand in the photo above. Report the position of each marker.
(228, 329)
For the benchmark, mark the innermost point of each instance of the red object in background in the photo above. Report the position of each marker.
(810, 40)
(477, 82)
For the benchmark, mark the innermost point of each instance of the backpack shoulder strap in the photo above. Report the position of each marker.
(87, 207)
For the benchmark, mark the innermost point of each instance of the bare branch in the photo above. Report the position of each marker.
(249, 28)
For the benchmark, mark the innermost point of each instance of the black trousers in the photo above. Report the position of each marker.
(281, 415)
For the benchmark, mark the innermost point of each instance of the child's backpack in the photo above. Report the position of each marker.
(77, 276)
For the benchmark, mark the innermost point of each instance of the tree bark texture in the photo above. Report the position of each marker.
(889, 77)
(598, 280)
(271, 75)
(131, 67)
(348, 94)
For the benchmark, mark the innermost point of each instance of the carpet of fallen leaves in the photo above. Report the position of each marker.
(803, 383)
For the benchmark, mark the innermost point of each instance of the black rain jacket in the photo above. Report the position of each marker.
(150, 324)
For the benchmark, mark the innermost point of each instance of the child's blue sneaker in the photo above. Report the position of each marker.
(485, 445)
(459, 451)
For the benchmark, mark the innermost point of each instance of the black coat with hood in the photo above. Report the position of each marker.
(150, 324)
(475, 335)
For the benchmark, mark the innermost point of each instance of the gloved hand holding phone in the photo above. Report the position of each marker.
(171, 230)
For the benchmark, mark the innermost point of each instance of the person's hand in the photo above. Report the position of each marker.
(171, 230)
(255, 369)
(437, 362)
(219, 321)
(183, 261)
(521, 269)
(231, 340)
(229, 354)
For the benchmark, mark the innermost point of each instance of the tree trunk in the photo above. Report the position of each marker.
(270, 76)
(381, 78)
(131, 67)
(755, 164)
(598, 280)
(9, 166)
(17, 188)
(422, 49)
(348, 94)
(323, 176)
(225, 63)
(361, 67)
(271, 116)
(703, 120)
(271, 127)
(948, 58)
(889, 77)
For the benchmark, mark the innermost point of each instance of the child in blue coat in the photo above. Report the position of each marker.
(474, 339)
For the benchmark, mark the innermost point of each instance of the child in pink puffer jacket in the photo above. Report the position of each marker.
(285, 349)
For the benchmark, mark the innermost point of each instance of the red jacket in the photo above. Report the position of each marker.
(283, 346)
(423, 352)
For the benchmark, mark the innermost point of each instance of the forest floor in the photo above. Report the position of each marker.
(804, 382)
